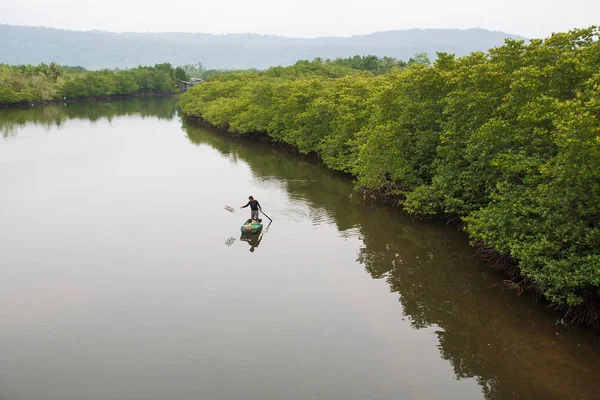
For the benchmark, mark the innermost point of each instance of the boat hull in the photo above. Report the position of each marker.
(251, 227)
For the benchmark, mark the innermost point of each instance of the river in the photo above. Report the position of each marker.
(124, 277)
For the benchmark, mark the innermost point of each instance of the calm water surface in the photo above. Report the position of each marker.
(123, 277)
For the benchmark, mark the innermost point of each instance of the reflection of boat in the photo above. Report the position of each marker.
(251, 227)
(251, 239)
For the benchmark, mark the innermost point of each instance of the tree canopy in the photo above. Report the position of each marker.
(44, 82)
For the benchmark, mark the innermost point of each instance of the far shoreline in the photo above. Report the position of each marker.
(94, 99)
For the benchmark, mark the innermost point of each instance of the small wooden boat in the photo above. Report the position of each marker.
(251, 227)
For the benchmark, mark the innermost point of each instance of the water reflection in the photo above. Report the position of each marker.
(11, 120)
(324, 193)
(253, 239)
(513, 348)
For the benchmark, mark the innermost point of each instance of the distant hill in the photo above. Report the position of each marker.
(100, 49)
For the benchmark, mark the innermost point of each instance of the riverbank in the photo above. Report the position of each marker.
(139, 95)
(512, 156)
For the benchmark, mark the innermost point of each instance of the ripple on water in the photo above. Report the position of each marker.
(298, 215)
(320, 217)
(295, 215)
(350, 233)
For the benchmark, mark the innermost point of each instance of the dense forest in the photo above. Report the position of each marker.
(505, 142)
(370, 63)
(46, 82)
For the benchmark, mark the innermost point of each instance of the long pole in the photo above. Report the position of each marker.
(266, 215)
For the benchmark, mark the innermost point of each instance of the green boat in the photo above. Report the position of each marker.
(251, 227)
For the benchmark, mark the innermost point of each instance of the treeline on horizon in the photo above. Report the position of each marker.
(370, 63)
(506, 141)
(47, 82)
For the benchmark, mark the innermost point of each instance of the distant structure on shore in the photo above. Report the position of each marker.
(184, 85)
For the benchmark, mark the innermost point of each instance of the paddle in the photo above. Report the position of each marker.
(266, 215)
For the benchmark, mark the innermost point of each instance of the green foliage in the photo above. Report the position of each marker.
(507, 140)
(24, 84)
(420, 58)
(200, 71)
(399, 142)
(29, 83)
(181, 75)
(370, 63)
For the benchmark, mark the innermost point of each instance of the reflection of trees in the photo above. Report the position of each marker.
(304, 179)
(500, 340)
(57, 114)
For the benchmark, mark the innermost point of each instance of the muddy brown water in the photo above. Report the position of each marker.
(124, 277)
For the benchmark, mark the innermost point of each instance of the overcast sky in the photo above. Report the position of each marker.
(303, 18)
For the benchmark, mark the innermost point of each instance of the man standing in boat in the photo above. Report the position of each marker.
(254, 207)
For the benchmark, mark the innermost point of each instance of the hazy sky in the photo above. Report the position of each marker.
(303, 18)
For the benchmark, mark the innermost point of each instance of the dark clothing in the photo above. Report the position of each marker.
(254, 206)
